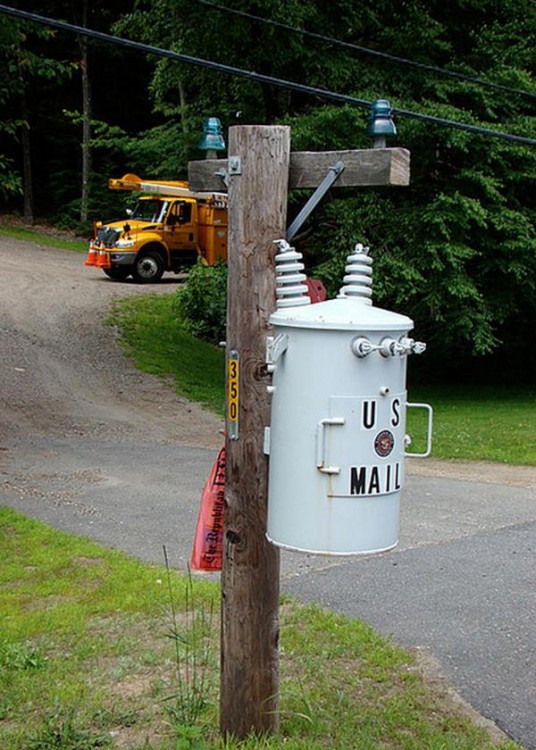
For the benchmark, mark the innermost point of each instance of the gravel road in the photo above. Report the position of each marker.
(62, 371)
(87, 442)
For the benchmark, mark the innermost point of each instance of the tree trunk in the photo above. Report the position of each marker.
(27, 179)
(182, 102)
(86, 121)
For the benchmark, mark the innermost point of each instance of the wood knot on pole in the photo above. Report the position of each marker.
(232, 537)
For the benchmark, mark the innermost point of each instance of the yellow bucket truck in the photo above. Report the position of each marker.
(168, 229)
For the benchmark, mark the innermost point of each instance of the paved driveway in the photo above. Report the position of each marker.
(461, 585)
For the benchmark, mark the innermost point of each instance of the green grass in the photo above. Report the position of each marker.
(484, 423)
(470, 423)
(86, 661)
(160, 344)
(31, 235)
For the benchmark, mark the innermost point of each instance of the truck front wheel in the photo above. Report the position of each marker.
(148, 268)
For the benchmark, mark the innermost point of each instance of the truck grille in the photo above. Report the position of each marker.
(108, 236)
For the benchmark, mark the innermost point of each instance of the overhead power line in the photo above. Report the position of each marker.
(368, 51)
(258, 77)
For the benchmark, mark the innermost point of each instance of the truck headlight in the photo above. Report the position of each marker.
(125, 243)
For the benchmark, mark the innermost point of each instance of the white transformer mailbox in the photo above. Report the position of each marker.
(337, 437)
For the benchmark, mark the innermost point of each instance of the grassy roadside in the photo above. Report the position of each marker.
(92, 657)
(10, 227)
(486, 423)
(479, 423)
(159, 344)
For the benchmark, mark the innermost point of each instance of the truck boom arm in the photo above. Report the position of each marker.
(161, 187)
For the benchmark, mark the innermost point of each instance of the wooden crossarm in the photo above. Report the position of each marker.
(372, 167)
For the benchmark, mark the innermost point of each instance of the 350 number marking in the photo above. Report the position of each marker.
(232, 395)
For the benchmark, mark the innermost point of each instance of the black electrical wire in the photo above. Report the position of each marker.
(258, 77)
(367, 50)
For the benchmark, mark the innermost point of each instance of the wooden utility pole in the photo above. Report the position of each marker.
(260, 170)
(258, 180)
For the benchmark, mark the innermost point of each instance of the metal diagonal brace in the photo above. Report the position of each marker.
(224, 176)
(315, 199)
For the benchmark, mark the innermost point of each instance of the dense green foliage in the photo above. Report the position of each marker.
(456, 250)
(24, 64)
(202, 302)
(42, 93)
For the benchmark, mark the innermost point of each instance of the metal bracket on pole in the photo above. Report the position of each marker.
(234, 164)
(315, 199)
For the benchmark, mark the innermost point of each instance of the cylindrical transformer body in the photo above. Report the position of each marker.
(337, 427)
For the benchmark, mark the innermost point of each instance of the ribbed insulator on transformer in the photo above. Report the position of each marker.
(290, 290)
(358, 279)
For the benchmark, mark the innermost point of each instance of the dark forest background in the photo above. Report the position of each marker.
(456, 250)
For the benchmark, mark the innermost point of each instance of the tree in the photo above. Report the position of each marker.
(62, 108)
(86, 105)
(10, 182)
(457, 249)
(24, 66)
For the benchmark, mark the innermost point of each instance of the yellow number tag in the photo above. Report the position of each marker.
(232, 394)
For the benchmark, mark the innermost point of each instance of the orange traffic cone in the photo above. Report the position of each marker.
(103, 260)
(91, 257)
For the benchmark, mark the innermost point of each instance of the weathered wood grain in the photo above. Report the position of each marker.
(363, 168)
(250, 576)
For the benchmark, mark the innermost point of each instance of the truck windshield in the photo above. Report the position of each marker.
(152, 210)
